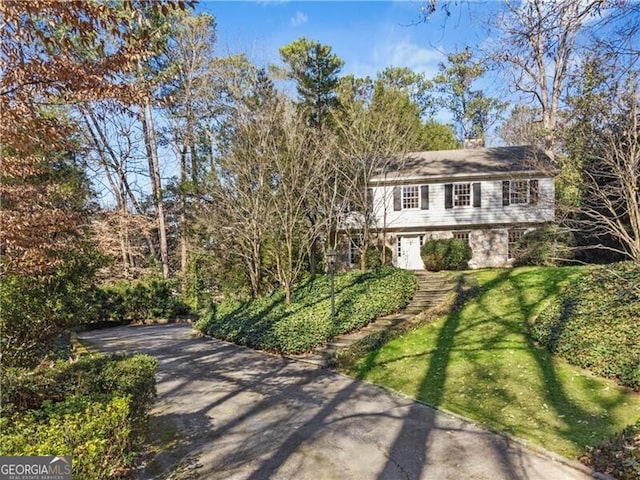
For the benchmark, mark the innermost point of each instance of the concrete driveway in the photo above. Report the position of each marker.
(227, 412)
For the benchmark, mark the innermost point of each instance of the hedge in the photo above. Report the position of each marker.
(445, 254)
(94, 409)
(140, 300)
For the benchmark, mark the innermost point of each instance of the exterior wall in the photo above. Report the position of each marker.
(488, 224)
(490, 212)
(489, 247)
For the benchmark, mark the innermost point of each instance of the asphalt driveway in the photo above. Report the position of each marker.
(227, 412)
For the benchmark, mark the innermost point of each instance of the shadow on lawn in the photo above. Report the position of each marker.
(499, 335)
(432, 388)
(229, 412)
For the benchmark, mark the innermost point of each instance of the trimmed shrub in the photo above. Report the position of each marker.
(142, 300)
(93, 374)
(94, 409)
(269, 323)
(95, 433)
(594, 323)
(445, 254)
(373, 257)
(38, 309)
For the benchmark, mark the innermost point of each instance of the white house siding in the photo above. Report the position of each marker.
(491, 211)
(488, 225)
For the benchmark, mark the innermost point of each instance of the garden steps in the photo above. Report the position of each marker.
(432, 288)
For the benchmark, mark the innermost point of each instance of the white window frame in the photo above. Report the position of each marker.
(399, 247)
(519, 192)
(410, 197)
(462, 194)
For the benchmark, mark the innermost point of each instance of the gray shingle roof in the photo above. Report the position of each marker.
(471, 162)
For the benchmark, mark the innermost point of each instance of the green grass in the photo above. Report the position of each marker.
(479, 362)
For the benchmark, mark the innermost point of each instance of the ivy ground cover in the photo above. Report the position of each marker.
(269, 323)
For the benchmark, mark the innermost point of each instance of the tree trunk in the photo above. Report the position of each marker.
(146, 119)
(184, 261)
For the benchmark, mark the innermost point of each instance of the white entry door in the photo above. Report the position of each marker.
(409, 253)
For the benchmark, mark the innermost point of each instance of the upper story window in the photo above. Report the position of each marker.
(462, 195)
(408, 197)
(519, 192)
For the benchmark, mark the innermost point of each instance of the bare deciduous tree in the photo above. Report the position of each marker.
(536, 48)
(373, 129)
(609, 137)
(185, 98)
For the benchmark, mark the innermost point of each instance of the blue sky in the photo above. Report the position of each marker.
(368, 36)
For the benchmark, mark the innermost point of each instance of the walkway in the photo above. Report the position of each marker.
(227, 412)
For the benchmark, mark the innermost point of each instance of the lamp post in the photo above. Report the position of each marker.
(331, 260)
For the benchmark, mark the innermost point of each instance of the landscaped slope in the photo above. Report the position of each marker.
(269, 323)
(480, 362)
(595, 323)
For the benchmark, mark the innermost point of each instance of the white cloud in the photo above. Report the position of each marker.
(299, 19)
(419, 59)
(399, 53)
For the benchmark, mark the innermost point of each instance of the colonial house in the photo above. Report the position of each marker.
(488, 197)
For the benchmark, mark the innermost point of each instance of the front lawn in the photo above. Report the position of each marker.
(480, 362)
(268, 323)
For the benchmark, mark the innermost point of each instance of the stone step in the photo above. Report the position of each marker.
(398, 317)
(435, 288)
(385, 323)
(431, 277)
(432, 288)
(432, 294)
(351, 337)
(434, 285)
(423, 295)
(315, 359)
(421, 302)
(417, 310)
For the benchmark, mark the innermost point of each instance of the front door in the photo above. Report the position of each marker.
(409, 253)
